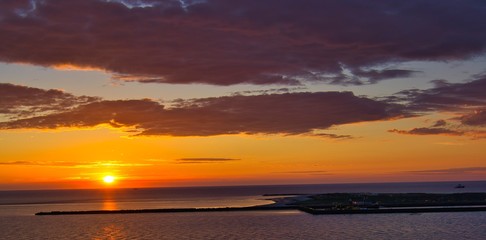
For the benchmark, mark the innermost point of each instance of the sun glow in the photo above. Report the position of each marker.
(108, 179)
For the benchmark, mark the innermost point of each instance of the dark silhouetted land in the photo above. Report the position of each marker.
(338, 203)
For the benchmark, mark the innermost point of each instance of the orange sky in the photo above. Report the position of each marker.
(80, 158)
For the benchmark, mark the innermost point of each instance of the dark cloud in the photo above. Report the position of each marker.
(270, 91)
(296, 113)
(130, 112)
(359, 76)
(446, 130)
(375, 76)
(468, 100)
(291, 113)
(205, 160)
(467, 170)
(310, 172)
(21, 101)
(440, 123)
(447, 96)
(429, 131)
(241, 41)
(331, 135)
(440, 83)
(477, 118)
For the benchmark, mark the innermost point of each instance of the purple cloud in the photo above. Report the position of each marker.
(225, 42)
(440, 123)
(375, 76)
(446, 96)
(467, 100)
(428, 131)
(21, 101)
(477, 118)
(331, 135)
(289, 114)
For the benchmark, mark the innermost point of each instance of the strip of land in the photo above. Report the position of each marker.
(391, 210)
(169, 210)
(338, 203)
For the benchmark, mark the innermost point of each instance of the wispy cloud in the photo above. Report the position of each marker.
(270, 91)
(309, 172)
(18, 101)
(467, 100)
(466, 170)
(18, 163)
(447, 96)
(333, 136)
(428, 131)
(205, 160)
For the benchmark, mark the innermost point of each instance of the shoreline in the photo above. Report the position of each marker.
(337, 203)
(313, 211)
(393, 210)
(171, 210)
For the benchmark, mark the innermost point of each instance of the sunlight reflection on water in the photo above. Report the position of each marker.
(111, 231)
(109, 205)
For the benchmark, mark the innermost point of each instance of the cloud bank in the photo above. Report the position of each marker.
(465, 100)
(288, 114)
(266, 112)
(225, 42)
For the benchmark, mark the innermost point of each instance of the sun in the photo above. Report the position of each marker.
(108, 179)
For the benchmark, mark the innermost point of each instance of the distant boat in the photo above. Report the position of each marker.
(459, 186)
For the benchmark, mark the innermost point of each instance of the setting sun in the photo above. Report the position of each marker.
(108, 179)
(239, 118)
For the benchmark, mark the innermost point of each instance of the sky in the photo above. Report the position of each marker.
(167, 93)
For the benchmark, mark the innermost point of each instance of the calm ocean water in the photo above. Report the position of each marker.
(18, 222)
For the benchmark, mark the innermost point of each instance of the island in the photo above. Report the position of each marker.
(337, 203)
(373, 203)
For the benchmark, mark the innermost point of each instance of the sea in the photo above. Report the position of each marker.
(17, 219)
